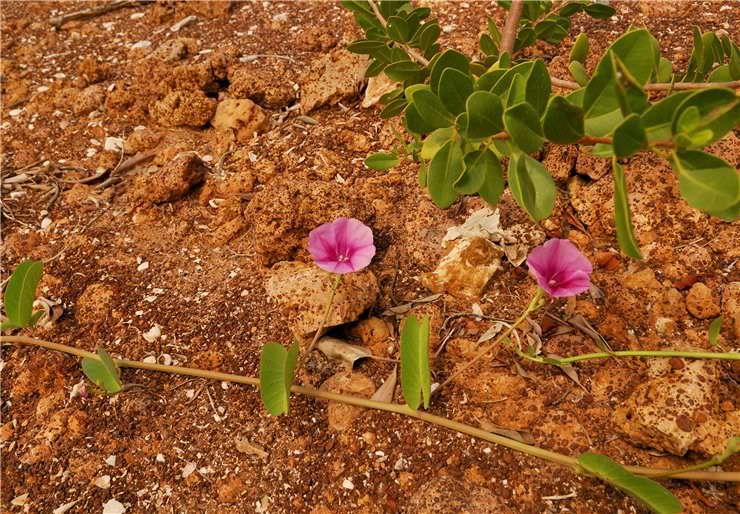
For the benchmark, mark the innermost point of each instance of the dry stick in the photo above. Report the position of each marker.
(592, 140)
(85, 14)
(722, 476)
(511, 27)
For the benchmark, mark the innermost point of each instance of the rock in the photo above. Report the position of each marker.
(175, 49)
(302, 291)
(171, 182)
(560, 160)
(341, 416)
(670, 411)
(731, 311)
(184, 108)
(96, 303)
(89, 100)
(228, 490)
(332, 78)
(142, 140)
(376, 87)
(641, 280)
(243, 118)
(443, 494)
(282, 215)
(269, 87)
(210, 9)
(92, 71)
(668, 9)
(465, 268)
(701, 303)
(590, 166)
(371, 331)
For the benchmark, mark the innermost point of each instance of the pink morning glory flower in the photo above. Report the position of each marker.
(342, 246)
(560, 268)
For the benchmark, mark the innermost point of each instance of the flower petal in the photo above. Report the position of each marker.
(572, 284)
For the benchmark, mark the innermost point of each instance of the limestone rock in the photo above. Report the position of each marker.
(89, 99)
(376, 87)
(676, 409)
(172, 182)
(341, 416)
(267, 86)
(183, 108)
(560, 160)
(731, 310)
(175, 49)
(242, 117)
(591, 166)
(465, 268)
(701, 303)
(332, 78)
(282, 215)
(96, 303)
(302, 291)
(444, 494)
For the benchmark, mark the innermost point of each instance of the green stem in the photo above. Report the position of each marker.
(533, 306)
(729, 356)
(335, 285)
(376, 405)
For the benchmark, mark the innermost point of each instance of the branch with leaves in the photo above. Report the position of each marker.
(468, 116)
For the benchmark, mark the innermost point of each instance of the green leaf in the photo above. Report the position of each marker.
(656, 497)
(539, 87)
(366, 47)
(485, 115)
(445, 168)
(714, 328)
(393, 108)
(403, 70)
(493, 30)
(563, 122)
(630, 94)
(570, 8)
(21, 292)
(720, 74)
(398, 29)
(658, 118)
(454, 89)
(526, 37)
(422, 175)
(487, 45)
(414, 122)
(431, 109)
(489, 79)
(622, 214)
(532, 186)
(34, 318)
(719, 110)
(578, 72)
(277, 366)
(8, 325)
(599, 11)
(550, 30)
(579, 52)
(706, 182)
(415, 375)
(449, 59)
(429, 34)
(629, 137)
(103, 373)
(478, 164)
(493, 185)
(665, 70)
(435, 141)
(523, 125)
(381, 161)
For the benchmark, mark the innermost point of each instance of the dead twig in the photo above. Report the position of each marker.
(86, 14)
(511, 27)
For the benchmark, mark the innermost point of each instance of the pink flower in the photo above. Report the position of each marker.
(342, 246)
(560, 268)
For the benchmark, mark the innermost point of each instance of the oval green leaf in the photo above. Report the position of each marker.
(706, 182)
(277, 366)
(444, 170)
(523, 125)
(415, 374)
(20, 292)
(623, 215)
(532, 186)
(563, 122)
(381, 161)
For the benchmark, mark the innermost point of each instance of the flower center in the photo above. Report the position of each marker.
(342, 258)
(552, 282)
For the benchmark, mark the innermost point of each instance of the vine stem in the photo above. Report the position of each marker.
(317, 335)
(533, 306)
(403, 410)
(728, 356)
(511, 27)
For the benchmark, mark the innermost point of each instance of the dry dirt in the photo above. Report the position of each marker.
(183, 241)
